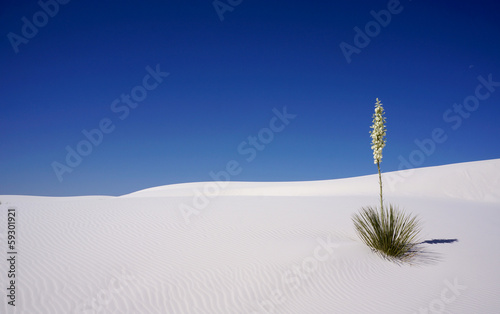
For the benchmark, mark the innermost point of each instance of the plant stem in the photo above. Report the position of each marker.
(380, 183)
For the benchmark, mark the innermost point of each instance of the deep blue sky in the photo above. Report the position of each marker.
(225, 78)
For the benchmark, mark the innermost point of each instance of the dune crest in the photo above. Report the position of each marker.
(473, 181)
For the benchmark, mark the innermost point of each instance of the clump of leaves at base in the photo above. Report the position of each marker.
(390, 232)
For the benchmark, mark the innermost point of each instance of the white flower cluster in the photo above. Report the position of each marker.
(378, 132)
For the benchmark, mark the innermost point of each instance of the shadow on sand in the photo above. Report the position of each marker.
(439, 241)
(422, 256)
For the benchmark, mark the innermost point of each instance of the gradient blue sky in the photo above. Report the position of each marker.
(225, 78)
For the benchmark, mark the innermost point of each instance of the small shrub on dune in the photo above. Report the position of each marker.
(390, 232)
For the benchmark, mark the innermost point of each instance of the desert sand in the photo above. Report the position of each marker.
(257, 247)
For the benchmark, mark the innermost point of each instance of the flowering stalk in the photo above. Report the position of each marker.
(378, 141)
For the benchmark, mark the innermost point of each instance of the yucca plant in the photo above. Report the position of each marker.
(389, 232)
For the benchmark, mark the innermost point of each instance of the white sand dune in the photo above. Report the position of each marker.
(247, 247)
